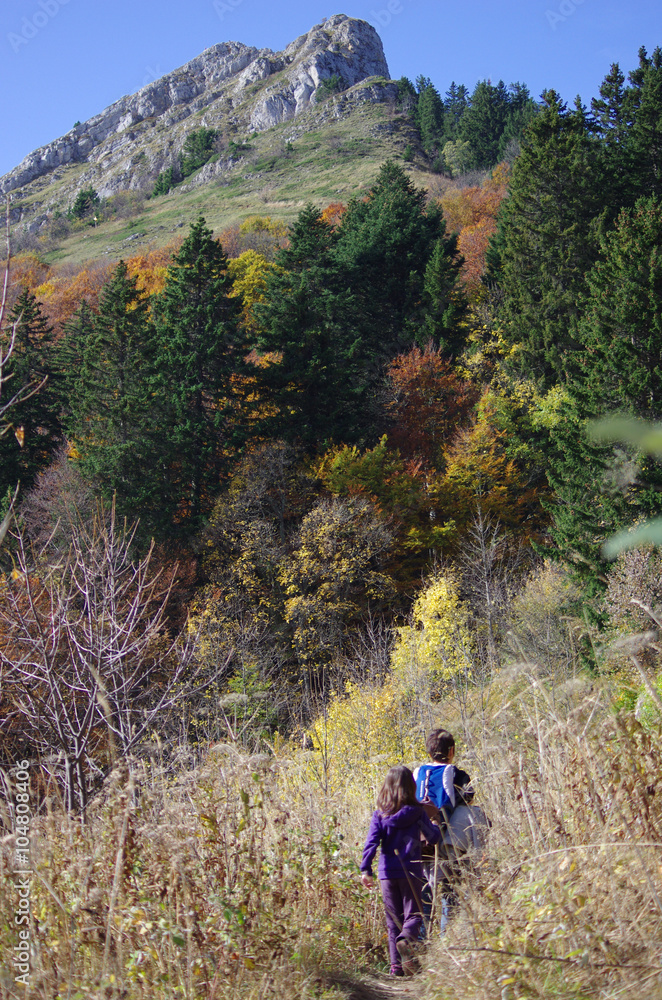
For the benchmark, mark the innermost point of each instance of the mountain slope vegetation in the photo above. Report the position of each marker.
(295, 492)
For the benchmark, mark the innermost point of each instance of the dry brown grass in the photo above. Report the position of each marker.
(568, 901)
(238, 879)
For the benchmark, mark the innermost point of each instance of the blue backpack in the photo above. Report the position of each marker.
(432, 789)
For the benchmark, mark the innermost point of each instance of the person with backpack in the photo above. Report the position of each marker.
(396, 827)
(446, 793)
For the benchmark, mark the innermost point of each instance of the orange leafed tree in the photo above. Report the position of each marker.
(472, 213)
(150, 268)
(427, 400)
(64, 290)
(333, 213)
(27, 271)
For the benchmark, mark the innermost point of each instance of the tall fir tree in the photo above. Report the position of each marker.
(616, 369)
(619, 366)
(444, 302)
(456, 103)
(36, 432)
(430, 118)
(522, 109)
(316, 387)
(112, 415)
(612, 114)
(484, 121)
(200, 371)
(384, 244)
(546, 239)
(646, 130)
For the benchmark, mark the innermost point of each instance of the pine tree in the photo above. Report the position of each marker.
(316, 388)
(618, 369)
(199, 367)
(546, 240)
(445, 304)
(584, 509)
(522, 109)
(430, 118)
(456, 104)
(384, 244)
(112, 416)
(484, 122)
(647, 124)
(29, 445)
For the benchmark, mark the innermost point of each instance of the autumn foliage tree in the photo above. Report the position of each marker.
(471, 212)
(426, 400)
(480, 476)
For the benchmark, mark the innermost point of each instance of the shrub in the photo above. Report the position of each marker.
(164, 182)
(84, 204)
(199, 148)
(327, 88)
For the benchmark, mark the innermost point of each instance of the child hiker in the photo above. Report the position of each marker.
(396, 828)
(446, 792)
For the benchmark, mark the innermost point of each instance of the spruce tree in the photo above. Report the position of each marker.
(113, 417)
(316, 388)
(29, 445)
(647, 124)
(546, 239)
(616, 369)
(384, 245)
(456, 103)
(619, 368)
(199, 370)
(430, 118)
(612, 116)
(484, 122)
(444, 302)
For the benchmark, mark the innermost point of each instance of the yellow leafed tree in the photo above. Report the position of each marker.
(438, 643)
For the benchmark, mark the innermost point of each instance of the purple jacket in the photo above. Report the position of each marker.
(400, 832)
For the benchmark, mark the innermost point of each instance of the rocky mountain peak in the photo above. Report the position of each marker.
(256, 88)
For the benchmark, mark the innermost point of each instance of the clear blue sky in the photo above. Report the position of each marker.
(65, 60)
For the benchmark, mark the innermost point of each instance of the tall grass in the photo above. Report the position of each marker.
(238, 878)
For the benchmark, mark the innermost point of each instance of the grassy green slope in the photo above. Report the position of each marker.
(333, 161)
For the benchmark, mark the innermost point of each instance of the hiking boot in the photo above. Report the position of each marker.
(407, 949)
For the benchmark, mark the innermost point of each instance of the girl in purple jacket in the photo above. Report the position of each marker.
(396, 827)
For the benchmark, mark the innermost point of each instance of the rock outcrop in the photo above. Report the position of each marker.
(257, 88)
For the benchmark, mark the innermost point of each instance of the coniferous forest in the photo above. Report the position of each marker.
(279, 500)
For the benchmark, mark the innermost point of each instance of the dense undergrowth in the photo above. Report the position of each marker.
(213, 872)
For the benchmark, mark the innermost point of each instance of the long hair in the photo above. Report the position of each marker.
(398, 790)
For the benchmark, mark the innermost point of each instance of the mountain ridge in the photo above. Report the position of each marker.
(238, 88)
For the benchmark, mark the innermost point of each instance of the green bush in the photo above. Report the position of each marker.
(85, 203)
(164, 182)
(198, 150)
(327, 88)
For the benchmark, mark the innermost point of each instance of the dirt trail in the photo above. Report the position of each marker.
(369, 988)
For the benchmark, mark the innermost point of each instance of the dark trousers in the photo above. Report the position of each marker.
(402, 902)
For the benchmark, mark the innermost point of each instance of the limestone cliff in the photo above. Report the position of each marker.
(232, 86)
